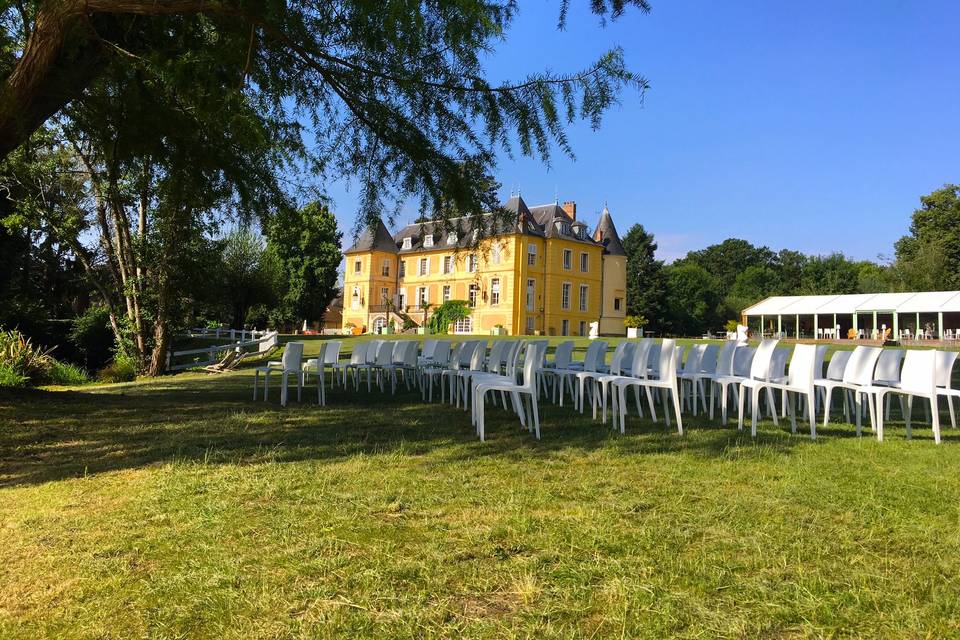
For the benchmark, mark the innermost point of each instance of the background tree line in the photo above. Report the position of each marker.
(703, 290)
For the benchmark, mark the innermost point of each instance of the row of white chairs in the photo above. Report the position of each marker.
(464, 371)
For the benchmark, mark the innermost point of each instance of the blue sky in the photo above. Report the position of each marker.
(813, 126)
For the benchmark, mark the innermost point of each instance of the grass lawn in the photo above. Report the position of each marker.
(178, 508)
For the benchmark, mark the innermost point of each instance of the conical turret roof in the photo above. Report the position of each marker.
(606, 234)
(375, 238)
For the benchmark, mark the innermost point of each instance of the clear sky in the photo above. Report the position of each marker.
(812, 126)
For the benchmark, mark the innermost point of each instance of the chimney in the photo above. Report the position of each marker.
(570, 208)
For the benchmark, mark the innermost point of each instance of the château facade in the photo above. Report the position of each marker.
(540, 272)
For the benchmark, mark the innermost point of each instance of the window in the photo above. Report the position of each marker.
(584, 262)
(452, 238)
(472, 262)
(407, 243)
(495, 291)
(403, 268)
(463, 325)
(428, 240)
(448, 264)
(424, 268)
(422, 297)
(355, 298)
(616, 303)
(565, 328)
(584, 294)
(565, 296)
(384, 295)
(583, 328)
(385, 269)
(446, 292)
(472, 295)
(402, 299)
(531, 294)
(495, 253)
(531, 254)
(530, 324)
(357, 266)
(567, 259)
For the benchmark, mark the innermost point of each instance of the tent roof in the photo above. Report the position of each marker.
(909, 302)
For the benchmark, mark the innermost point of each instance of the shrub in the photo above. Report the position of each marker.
(24, 358)
(635, 322)
(122, 369)
(66, 373)
(9, 377)
(93, 337)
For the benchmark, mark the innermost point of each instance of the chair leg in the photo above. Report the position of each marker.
(535, 412)
(935, 418)
(812, 414)
(256, 383)
(676, 407)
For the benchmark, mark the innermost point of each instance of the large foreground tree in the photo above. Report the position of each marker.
(394, 92)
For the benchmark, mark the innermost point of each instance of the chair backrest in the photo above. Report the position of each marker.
(639, 361)
(838, 363)
(409, 356)
(678, 350)
(513, 358)
(945, 362)
(359, 353)
(531, 364)
(595, 355)
(762, 359)
(479, 355)
(653, 358)
(428, 347)
(859, 370)
(778, 364)
(384, 355)
(321, 356)
(465, 354)
(725, 358)
(495, 359)
(332, 353)
(399, 351)
(621, 357)
(821, 356)
(292, 356)
(888, 365)
(802, 366)
(708, 359)
(373, 348)
(692, 365)
(441, 352)
(920, 372)
(668, 360)
(563, 354)
(743, 361)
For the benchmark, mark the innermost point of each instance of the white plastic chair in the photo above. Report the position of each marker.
(318, 367)
(357, 357)
(636, 369)
(856, 375)
(665, 381)
(290, 364)
(945, 362)
(587, 379)
(918, 380)
(529, 418)
(748, 364)
(798, 381)
(593, 358)
(442, 352)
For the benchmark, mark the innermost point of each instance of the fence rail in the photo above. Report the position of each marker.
(264, 342)
(233, 334)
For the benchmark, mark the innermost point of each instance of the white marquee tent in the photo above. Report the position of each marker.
(926, 314)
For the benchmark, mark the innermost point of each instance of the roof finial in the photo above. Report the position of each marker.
(556, 194)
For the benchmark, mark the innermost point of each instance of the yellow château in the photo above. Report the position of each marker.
(540, 272)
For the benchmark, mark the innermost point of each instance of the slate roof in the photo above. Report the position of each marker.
(544, 221)
(606, 234)
(374, 239)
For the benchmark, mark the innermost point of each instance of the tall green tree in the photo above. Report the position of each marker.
(646, 284)
(832, 274)
(929, 256)
(395, 93)
(692, 300)
(250, 274)
(307, 244)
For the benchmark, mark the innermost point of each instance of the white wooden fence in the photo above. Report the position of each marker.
(233, 334)
(264, 341)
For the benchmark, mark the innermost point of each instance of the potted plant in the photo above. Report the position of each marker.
(635, 325)
(498, 330)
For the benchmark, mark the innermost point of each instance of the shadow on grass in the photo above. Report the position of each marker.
(52, 435)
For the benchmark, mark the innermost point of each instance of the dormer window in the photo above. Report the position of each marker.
(428, 240)
(407, 243)
(452, 237)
